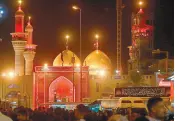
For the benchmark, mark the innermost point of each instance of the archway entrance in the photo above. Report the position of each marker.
(61, 89)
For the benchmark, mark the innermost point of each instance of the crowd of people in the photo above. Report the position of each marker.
(157, 111)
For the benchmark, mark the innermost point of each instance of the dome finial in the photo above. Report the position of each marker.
(29, 19)
(96, 43)
(19, 4)
(67, 39)
(141, 6)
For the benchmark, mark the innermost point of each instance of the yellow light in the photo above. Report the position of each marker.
(11, 74)
(45, 65)
(75, 7)
(140, 3)
(77, 65)
(117, 71)
(102, 72)
(67, 36)
(4, 74)
(29, 17)
(96, 36)
(19, 1)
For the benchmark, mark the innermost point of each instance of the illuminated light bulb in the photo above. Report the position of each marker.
(102, 72)
(140, 3)
(75, 7)
(96, 36)
(78, 65)
(19, 2)
(11, 74)
(1, 12)
(4, 74)
(67, 36)
(117, 71)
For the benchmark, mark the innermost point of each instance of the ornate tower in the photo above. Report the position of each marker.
(30, 48)
(142, 42)
(19, 41)
(119, 7)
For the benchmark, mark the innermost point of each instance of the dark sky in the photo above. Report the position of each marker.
(53, 19)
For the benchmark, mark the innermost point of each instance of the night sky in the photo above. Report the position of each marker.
(53, 19)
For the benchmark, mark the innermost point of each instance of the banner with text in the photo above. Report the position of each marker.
(142, 92)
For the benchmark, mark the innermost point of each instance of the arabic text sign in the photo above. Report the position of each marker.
(142, 92)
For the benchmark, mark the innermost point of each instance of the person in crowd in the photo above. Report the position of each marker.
(156, 108)
(142, 118)
(80, 112)
(115, 118)
(135, 115)
(22, 115)
(4, 117)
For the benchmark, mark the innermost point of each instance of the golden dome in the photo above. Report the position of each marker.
(19, 12)
(67, 58)
(29, 28)
(97, 60)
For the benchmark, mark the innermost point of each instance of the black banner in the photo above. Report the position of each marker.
(142, 92)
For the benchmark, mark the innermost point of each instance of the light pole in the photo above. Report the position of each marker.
(158, 51)
(77, 8)
(73, 62)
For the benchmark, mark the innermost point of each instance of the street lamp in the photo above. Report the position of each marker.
(11, 74)
(140, 3)
(96, 36)
(78, 8)
(19, 1)
(73, 62)
(117, 71)
(158, 51)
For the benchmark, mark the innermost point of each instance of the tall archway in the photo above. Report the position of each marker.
(61, 88)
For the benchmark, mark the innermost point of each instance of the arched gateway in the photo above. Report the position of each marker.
(56, 83)
(61, 88)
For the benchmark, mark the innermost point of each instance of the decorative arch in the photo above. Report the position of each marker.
(61, 88)
(12, 94)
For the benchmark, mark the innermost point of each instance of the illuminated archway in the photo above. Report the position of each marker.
(61, 88)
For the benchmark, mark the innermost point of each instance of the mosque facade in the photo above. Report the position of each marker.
(66, 80)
